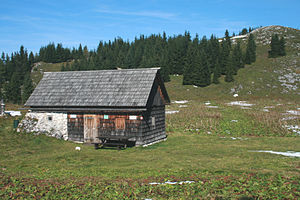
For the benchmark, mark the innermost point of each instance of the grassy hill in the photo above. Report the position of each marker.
(212, 142)
(277, 77)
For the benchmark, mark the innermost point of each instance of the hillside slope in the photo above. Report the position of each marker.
(267, 77)
(279, 77)
(218, 146)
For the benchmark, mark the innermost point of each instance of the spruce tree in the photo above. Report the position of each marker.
(237, 58)
(216, 73)
(213, 52)
(240, 60)
(244, 31)
(31, 59)
(227, 38)
(275, 46)
(252, 47)
(13, 90)
(27, 88)
(202, 70)
(282, 47)
(250, 56)
(224, 53)
(2, 77)
(229, 69)
(191, 63)
(80, 52)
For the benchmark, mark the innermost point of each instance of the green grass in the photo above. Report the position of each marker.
(200, 148)
(37, 72)
(40, 166)
(48, 157)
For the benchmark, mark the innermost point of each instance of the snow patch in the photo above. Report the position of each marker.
(211, 106)
(238, 37)
(171, 183)
(289, 118)
(207, 103)
(235, 138)
(182, 106)
(181, 102)
(293, 112)
(235, 95)
(13, 113)
(295, 129)
(269, 107)
(246, 108)
(288, 153)
(157, 141)
(240, 103)
(172, 111)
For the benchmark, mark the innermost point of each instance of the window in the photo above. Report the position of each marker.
(120, 123)
(133, 117)
(49, 118)
(153, 122)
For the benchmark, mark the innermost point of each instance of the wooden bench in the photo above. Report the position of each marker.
(112, 141)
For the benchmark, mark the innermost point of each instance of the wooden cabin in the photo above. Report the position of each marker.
(122, 104)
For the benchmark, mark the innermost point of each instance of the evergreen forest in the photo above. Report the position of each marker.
(201, 61)
(277, 47)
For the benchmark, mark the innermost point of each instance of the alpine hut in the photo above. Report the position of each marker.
(100, 106)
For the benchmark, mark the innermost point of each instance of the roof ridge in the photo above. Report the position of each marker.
(111, 70)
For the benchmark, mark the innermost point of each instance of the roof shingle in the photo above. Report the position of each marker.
(113, 88)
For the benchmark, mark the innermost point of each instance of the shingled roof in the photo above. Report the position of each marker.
(102, 88)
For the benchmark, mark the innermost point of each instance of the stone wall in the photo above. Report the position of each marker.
(51, 124)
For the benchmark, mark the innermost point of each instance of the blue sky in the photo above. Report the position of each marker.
(36, 23)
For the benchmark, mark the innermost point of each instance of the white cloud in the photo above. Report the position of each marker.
(157, 14)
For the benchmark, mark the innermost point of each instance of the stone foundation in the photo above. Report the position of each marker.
(51, 124)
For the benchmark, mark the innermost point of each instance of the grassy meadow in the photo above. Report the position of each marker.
(211, 146)
(210, 143)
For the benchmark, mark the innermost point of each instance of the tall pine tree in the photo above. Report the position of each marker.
(250, 56)
(202, 70)
(13, 90)
(229, 69)
(191, 63)
(275, 46)
(237, 58)
(216, 73)
(27, 88)
(282, 47)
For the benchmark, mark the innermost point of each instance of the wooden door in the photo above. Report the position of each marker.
(90, 128)
(120, 123)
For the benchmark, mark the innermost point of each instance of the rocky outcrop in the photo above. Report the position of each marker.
(50, 124)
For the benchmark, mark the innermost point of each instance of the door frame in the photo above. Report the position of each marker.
(90, 133)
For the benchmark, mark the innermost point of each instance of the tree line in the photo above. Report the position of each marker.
(200, 61)
(277, 47)
(15, 80)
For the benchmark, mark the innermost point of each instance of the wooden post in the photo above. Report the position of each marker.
(2, 108)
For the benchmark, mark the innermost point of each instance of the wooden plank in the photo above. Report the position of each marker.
(90, 128)
(120, 123)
